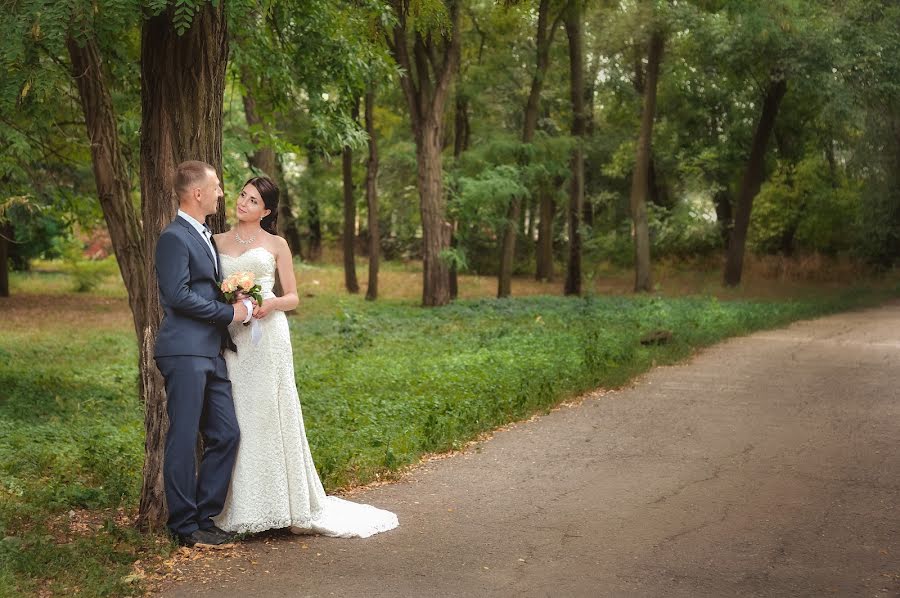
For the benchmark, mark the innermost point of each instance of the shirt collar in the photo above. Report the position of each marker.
(201, 227)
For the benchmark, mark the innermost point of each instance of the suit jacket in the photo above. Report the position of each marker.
(196, 317)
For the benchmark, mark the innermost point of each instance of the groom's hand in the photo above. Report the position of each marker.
(240, 312)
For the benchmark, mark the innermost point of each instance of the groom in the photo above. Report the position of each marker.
(192, 336)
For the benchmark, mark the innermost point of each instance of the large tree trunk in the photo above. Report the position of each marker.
(435, 228)
(6, 234)
(182, 89)
(349, 237)
(543, 40)
(640, 185)
(372, 198)
(752, 181)
(111, 176)
(426, 78)
(575, 32)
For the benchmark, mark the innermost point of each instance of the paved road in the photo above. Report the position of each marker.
(766, 466)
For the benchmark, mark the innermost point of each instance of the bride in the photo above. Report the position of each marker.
(275, 484)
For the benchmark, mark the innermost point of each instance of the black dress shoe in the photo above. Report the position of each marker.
(219, 532)
(202, 537)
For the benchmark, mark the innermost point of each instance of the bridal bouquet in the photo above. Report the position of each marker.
(241, 282)
(244, 282)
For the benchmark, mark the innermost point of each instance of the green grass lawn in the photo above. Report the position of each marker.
(381, 384)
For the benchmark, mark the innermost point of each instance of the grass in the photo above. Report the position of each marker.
(381, 384)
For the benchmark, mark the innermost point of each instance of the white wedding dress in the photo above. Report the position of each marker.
(275, 484)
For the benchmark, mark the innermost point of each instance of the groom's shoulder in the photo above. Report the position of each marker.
(173, 228)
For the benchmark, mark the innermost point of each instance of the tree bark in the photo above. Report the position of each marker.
(575, 33)
(111, 175)
(315, 229)
(544, 253)
(460, 145)
(265, 161)
(640, 185)
(262, 160)
(348, 240)
(426, 78)
(752, 181)
(313, 222)
(182, 90)
(435, 228)
(372, 198)
(722, 201)
(6, 235)
(543, 40)
(288, 226)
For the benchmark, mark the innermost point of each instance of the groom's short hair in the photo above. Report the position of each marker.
(189, 174)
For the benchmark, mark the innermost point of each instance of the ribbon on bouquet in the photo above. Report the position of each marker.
(253, 323)
(255, 331)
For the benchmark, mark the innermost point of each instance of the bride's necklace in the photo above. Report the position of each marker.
(243, 241)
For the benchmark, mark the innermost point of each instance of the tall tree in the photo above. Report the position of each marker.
(110, 173)
(372, 195)
(574, 24)
(265, 160)
(640, 186)
(427, 53)
(183, 63)
(546, 30)
(348, 239)
(753, 178)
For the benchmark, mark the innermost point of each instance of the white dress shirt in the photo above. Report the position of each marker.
(205, 233)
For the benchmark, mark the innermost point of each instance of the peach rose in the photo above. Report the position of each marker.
(246, 280)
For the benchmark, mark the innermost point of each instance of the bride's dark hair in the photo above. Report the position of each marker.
(268, 190)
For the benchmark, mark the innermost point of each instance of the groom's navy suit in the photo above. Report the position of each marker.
(192, 335)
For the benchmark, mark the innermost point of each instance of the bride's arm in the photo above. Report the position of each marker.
(285, 264)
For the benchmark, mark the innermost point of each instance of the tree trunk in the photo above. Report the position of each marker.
(640, 185)
(752, 181)
(182, 89)
(435, 228)
(460, 125)
(575, 32)
(312, 213)
(372, 198)
(460, 144)
(348, 240)
(722, 201)
(264, 161)
(543, 40)
(544, 249)
(426, 79)
(288, 227)
(315, 229)
(111, 176)
(6, 234)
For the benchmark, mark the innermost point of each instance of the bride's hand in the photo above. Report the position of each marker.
(261, 311)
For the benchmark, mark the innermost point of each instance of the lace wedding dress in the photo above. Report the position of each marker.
(275, 484)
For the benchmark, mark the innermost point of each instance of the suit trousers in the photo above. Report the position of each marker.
(199, 399)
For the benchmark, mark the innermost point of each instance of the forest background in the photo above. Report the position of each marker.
(447, 148)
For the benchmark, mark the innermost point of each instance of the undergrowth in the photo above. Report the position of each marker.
(381, 384)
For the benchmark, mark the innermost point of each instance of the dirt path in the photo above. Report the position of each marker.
(767, 466)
